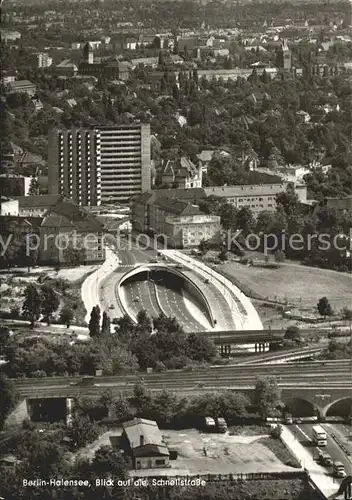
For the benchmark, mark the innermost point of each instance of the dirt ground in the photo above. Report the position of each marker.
(224, 454)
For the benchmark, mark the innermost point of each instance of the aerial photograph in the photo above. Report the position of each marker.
(176, 250)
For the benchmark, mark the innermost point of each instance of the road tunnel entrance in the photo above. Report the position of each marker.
(165, 290)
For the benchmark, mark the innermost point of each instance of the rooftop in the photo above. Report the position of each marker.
(40, 201)
(245, 190)
(177, 207)
(142, 432)
(66, 214)
(193, 194)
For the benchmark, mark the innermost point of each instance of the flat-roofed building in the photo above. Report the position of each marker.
(124, 162)
(74, 165)
(102, 165)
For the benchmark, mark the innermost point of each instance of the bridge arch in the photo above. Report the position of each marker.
(159, 267)
(341, 407)
(299, 406)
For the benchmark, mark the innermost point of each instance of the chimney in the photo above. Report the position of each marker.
(141, 440)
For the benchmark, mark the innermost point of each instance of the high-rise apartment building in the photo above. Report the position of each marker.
(125, 161)
(74, 165)
(104, 165)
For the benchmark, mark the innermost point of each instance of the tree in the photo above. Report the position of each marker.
(267, 396)
(124, 327)
(222, 255)
(32, 303)
(324, 307)
(276, 432)
(199, 347)
(66, 315)
(346, 313)
(82, 431)
(108, 462)
(122, 410)
(144, 320)
(94, 322)
(288, 201)
(204, 246)
(8, 398)
(33, 187)
(105, 326)
(275, 158)
(45, 458)
(49, 302)
(292, 333)
(75, 256)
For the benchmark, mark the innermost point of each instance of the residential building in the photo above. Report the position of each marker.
(10, 36)
(124, 161)
(36, 206)
(56, 224)
(182, 173)
(67, 225)
(44, 60)
(8, 206)
(66, 68)
(178, 222)
(24, 86)
(38, 105)
(303, 116)
(74, 165)
(206, 155)
(343, 205)
(14, 185)
(256, 197)
(144, 443)
(141, 207)
(103, 165)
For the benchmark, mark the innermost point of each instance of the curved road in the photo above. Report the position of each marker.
(154, 298)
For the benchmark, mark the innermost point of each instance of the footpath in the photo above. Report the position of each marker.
(318, 475)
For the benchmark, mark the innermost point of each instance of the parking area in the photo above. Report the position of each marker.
(202, 453)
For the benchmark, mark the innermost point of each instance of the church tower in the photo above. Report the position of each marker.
(286, 56)
(88, 53)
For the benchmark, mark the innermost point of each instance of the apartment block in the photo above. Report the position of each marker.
(74, 165)
(256, 197)
(102, 165)
(125, 162)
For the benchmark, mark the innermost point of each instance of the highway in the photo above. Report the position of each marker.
(141, 294)
(303, 433)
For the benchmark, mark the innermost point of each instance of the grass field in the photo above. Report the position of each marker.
(299, 285)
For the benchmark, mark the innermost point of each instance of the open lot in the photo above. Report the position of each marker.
(299, 285)
(14, 281)
(225, 454)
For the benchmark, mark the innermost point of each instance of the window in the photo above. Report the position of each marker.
(159, 462)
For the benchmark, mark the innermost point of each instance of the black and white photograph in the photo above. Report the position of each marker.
(176, 250)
